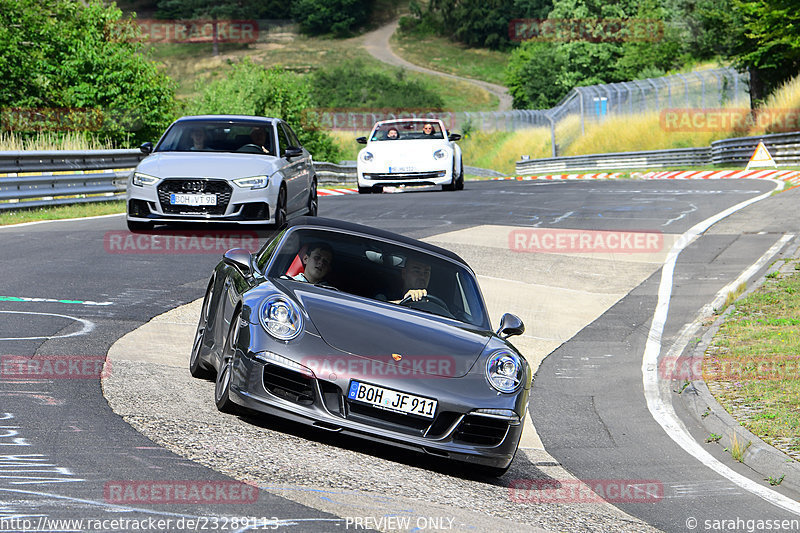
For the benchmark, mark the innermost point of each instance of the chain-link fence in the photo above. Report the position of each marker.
(705, 89)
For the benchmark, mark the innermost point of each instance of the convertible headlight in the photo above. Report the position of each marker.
(281, 318)
(504, 371)
(254, 182)
(140, 180)
(440, 154)
(367, 157)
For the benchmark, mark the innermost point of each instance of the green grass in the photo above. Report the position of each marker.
(192, 65)
(61, 212)
(755, 366)
(443, 55)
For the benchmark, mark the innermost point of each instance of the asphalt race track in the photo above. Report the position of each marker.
(71, 289)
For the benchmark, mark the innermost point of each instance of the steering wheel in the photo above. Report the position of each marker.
(435, 300)
(250, 148)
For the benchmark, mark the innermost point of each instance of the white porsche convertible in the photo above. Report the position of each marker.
(410, 151)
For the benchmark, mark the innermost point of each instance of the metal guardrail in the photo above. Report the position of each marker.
(617, 161)
(784, 148)
(58, 177)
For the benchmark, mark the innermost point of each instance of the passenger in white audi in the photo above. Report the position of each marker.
(222, 168)
(409, 151)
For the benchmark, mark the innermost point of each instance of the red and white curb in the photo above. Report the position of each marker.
(791, 176)
(335, 192)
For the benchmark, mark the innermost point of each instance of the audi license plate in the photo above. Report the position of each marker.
(193, 199)
(392, 400)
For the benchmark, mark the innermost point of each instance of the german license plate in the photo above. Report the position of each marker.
(402, 169)
(193, 199)
(392, 400)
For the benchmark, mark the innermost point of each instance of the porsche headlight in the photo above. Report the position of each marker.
(253, 182)
(281, 318)
(504, 371)
(440, 154)
(367, 157)
(140, 180)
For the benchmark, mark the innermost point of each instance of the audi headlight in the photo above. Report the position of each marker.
(140, 180)
(504, 371)
(281, 318)
(440, 154)
(253, 182)
(367, 157)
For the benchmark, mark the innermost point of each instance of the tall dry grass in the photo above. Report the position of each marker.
(10, 141)
(500, 150)
(781, 111)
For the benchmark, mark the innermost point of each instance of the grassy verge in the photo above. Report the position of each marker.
(753, 364)
(61, 212)
(192, 66)
(443, 55)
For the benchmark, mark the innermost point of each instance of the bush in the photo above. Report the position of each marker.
(66, 55)
(250, 89)
(338, 17)
(354, 84)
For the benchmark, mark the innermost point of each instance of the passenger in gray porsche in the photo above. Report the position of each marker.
(317, 263)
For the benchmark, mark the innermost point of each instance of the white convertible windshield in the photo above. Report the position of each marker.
(411, 130)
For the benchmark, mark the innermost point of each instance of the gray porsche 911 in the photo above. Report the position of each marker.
(366, 333)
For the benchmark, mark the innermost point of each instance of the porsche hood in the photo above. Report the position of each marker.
(387, 334)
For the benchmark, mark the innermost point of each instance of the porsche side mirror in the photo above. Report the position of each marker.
(454, 137)
(240, 259)
(146, 148)
(510, 325)
(361, 140)
(293, 151)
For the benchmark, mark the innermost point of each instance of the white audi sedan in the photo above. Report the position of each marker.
(409, 151)
(222, 168)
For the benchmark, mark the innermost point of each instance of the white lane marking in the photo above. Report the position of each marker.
(663, 411)
(51, 300)
(22, 224)
(88, 326)
(683, 214)
(562, 217)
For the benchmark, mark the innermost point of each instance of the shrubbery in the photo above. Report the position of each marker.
(63, 55)
(338, 17)
(354, 84)
(251, 89)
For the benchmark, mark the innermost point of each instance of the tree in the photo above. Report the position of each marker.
(770, 45)
(82, 55)
(337, 17)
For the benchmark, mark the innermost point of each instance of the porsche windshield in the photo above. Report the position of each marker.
(380, 270)
(218, 136)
